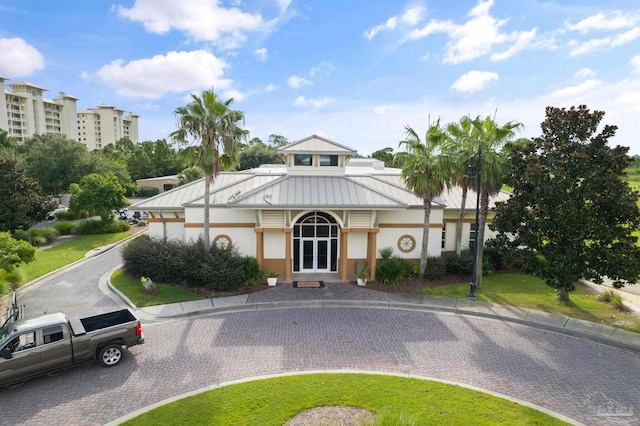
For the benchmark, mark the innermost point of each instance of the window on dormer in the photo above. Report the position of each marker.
(328, 160)
(302, 160)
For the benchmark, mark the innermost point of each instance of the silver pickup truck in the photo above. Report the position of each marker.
(50, 343)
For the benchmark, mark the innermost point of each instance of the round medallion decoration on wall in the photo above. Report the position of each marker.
(222, 241)
(406, 243)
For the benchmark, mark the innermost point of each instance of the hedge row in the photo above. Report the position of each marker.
(187, 264)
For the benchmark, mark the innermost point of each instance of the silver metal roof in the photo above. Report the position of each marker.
(318, 191)
(364, 185)
(315, 144)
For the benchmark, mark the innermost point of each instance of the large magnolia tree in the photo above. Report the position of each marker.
(571, 214)
(215, 128)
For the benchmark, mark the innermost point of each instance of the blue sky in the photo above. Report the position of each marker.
(356, 72)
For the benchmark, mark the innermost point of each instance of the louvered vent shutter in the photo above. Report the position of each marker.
(273, 219)
(360, 219)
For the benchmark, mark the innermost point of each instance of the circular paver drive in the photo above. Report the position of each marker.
(566, 375)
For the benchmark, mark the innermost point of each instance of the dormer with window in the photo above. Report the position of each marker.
(316, 155)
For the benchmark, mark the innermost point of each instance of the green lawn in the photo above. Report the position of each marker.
(531, 292)
(167, 293)
(274, 401)
(61, 255)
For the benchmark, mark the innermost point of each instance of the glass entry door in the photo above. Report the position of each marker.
(315, 243)
(315, 255)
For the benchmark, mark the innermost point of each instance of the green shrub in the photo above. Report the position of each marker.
(392, 269)
(252, 273)
(459, 264)
(10, 280)
(189, 265)
(606, 296)
(97, 226)
(21, 234)
(142, 223)
(436, 268)
(48, 235)
(147, 191)
(65, 228)
(495, 257)
(618, 303)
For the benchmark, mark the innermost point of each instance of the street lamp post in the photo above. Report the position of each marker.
(474, 275)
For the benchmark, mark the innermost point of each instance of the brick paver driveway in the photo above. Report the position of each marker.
(560, 373)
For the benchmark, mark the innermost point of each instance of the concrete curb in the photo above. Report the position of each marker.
(600, 333)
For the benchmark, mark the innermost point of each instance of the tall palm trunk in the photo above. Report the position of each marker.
(461, 220)
(484, 209)
(425, 238)
(207, 201)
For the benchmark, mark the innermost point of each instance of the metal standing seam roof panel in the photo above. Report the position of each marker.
(326, 191)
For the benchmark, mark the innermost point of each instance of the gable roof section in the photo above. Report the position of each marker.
(193, 191)
(317, 191)
(315, 144)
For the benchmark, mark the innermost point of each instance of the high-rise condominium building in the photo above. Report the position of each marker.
(24, 112)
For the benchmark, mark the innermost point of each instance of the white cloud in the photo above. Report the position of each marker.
(19, 58)
(605, 42)
(295, 81)
(522, 40)
(410, 17)
(261, 53)
(615, 21)
(324, 68)
(571, 92)
(474, 81)
(175, 72)
(585, 73)
(635, 62)
(85, 75)
(478, 36)
(313, 102)
(270, 88)
(233, 93)
(202, 20)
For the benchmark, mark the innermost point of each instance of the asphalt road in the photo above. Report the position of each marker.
(569, 376)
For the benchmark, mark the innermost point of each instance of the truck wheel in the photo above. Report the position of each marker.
(110, 355)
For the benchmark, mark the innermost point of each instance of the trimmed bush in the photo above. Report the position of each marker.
(65, 228)
(187, 264)
(436, 268)
(97, 226)
(459, 264)
(147, 191)
(48, 235)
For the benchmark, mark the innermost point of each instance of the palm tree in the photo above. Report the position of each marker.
(426, 171)
(461, 144)
(215, 126)
(490, 140)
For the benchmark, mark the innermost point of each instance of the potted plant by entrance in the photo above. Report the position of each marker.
(363, 275)
(272, 278)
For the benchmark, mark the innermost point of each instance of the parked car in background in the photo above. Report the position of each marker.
(60, 209)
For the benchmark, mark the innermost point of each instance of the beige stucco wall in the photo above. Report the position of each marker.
(357, 245)
(175, 230)
(220, 215)
(275, 245)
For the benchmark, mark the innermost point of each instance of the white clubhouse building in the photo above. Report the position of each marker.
(322, 212)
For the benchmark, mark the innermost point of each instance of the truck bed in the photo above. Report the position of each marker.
(97, 322)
